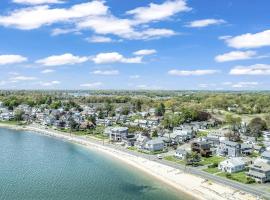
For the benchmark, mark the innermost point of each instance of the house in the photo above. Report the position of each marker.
(265, 158)
(212, 139)
(202, 148)
(246, 149)
(116, 133)
(141, 123)
(129, 140)
(141, 141)
(181, 134)
(229, 148)
(232, 165)
(154, 145)
(152, 111)
(266, 136)
(260, 172)
(180, 154)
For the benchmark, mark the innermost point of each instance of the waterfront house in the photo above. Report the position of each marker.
(141, 141)
(180, 154)
(154, 145)
(232, 165)
(201, 147)
(116, 133)
(129, 140)
(229, 148)
(260, 171)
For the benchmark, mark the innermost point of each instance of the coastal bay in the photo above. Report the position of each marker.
(38, 167)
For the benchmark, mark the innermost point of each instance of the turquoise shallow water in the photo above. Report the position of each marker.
(35, 167)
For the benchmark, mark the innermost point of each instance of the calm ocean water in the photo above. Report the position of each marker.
(34, 167)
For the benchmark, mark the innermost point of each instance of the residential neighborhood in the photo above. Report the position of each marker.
(219, 147)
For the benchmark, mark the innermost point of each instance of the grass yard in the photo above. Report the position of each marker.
(202, 134)
(239, 177)
(11, 122)
(212, 170)
(175, 160)
(211, 160)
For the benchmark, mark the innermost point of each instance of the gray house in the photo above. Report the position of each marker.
(260, 172)
(229, 148)
(154, 145)
(116, 134)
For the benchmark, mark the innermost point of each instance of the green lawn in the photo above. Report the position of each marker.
(11, 122)
(212, 170)
(132, 148)
(211, 160)
(202, 134)
(239, 177)
(173, 159)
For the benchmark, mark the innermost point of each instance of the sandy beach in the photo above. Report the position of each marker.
(192, 185)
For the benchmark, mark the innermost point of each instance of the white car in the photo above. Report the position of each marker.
(159, 156)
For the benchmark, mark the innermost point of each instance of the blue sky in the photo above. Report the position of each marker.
(149, 44)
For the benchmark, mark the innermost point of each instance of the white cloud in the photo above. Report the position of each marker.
(106, 72)
(123, 28)
(135, 76)
(34, 17)
(37, 2)
(92, 85)
(235, 55)
(114, 57)
(61, 31)
(22, 78)
(107, 25)
(157, 12)
(176, 72)
(153, 33)
(65, 59)
(257, 69)
(51, 83)
(11, 59)
(145, 52)
(250, 40)
(95, 16)
(205, 22)
(245, 85)
(46, 71)
(99, 39)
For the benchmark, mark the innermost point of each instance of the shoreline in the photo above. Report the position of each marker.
(182, 181)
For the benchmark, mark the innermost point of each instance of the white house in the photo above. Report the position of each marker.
(232, 165)
(180, 154)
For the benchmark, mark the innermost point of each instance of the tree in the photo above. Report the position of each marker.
(18, 115)
(256, 126)
(125, 110)
(234, 122)
(155, 133)
(160, 110)
(92, 119)
(193, 158)
(73, 124)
